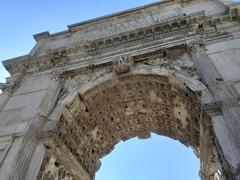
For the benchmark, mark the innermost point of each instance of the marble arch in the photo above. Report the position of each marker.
(123, 106)
(171, 67)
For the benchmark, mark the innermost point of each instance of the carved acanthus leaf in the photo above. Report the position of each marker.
(122, 64)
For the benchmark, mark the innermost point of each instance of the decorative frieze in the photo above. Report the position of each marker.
(161, 32)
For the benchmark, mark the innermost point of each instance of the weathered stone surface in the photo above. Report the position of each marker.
(171, 68)
(35, 163)
(10, 158)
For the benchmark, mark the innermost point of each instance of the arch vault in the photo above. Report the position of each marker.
(171, 68)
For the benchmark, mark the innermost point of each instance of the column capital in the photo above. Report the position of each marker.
(12, 84)
(196, 45)
(59, 76)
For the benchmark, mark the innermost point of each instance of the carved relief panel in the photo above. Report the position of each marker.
(52, 170)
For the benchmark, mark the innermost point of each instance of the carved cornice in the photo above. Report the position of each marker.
(183, 27)
(160, 30)
(85, 24)
(52, 59)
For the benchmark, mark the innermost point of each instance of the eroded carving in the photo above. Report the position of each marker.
(12, 84)
(135, 106)
(122, 64)
(52, 170)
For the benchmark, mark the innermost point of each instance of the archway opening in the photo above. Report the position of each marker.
(158, 157)
(95, 120)
(130, 106)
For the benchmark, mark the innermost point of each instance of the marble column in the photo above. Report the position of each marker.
(226, 126)
(30, 138)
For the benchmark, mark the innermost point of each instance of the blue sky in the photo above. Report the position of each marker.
(158, 158)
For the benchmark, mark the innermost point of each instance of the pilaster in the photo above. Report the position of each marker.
(223, 95)
(29, 140)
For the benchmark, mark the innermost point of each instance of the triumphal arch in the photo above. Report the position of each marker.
(171, 68)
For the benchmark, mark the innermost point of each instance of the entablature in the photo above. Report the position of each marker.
(175, 31)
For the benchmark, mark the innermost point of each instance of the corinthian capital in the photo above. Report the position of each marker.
(196, 45)
(12, 84)
(122, 64)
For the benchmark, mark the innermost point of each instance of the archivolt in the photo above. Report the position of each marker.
(132, 105)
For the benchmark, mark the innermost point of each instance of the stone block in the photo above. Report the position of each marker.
(10, 159)
(228, 64)
(223, 46)
(16, 128)
(33, 83)
(30, 100)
